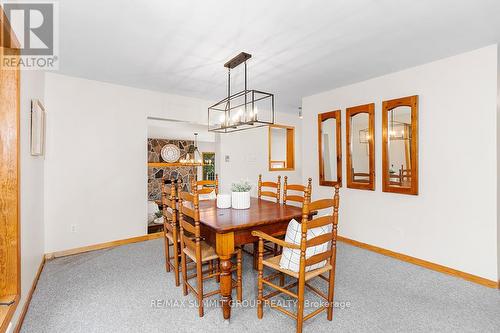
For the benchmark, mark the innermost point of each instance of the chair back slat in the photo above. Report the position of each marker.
(320, 222)
(295, 187)
(188, 242)
(207, 186)
(168, 226)
(270, 194)
(318, 258)
(186, 196)
(319, 239)
(321, 204)
(269, 184)
(187, 226)
(296, 197)
(205, 190)
(187, 211)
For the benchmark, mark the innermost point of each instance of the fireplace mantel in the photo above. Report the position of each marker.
(166, 165)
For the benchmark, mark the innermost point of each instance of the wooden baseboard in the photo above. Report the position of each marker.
(101, 246)
(28, 298)
(422, 263)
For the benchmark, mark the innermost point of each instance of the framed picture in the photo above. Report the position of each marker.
(37, 128)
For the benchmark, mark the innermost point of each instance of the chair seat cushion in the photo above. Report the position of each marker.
(290, 258)
(207, 252)
(274, 263)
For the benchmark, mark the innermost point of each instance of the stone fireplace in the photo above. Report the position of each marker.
(155, 174)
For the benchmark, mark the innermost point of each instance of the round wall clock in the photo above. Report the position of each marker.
(170, 153)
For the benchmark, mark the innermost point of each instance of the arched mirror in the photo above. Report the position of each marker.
(360, 147)
(400, 145)
(329, 149)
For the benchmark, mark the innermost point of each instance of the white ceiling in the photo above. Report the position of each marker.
(299, 47)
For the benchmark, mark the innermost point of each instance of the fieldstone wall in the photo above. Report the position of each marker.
(155, 175)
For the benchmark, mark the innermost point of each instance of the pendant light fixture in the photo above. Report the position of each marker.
(243, 110)
(193, 155)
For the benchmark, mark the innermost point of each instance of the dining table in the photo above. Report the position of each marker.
(227, 229)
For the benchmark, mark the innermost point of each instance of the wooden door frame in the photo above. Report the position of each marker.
(10, 289)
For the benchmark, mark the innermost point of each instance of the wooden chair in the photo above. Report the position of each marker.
(405, 176)
(297, 188)
(269, 193)
(360, 177)
(207, 186)
(302, 277)
(171, 228)
(275, 195)
(196, 249)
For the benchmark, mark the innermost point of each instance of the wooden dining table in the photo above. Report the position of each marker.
(226, 229)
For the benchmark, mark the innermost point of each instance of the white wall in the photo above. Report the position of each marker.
(248, 155)
(498, 162)
(453, 219)
(96, 161)
(31, 210)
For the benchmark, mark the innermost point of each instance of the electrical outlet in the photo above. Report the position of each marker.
(73, 228)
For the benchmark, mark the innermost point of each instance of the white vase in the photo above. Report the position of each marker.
(223, 201)
(240, 200)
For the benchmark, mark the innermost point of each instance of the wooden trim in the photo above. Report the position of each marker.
(350, 112)
(177, 164)
(20, 321)
(9, 172)
(423, 263)
(101, 246)
(6, 315)
(322, 117)
(10, 39)
(290, 148)
(411, 101)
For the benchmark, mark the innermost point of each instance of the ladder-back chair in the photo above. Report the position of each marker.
(303, 277)
(275, 195)
(194, 247)
(170, 227)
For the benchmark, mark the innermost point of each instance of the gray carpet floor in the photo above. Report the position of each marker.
(126, 289)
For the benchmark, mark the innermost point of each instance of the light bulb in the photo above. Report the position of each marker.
(222, 119)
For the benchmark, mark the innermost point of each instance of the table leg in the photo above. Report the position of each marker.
(225, 249)
(226, 286)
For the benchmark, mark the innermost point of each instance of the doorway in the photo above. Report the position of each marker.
(177, 150)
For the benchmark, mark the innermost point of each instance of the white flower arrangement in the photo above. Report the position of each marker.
(242, 186)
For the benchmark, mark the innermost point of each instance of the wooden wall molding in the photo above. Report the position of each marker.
(29, 296)
(423, 263)
(101, 246)
(10, 260)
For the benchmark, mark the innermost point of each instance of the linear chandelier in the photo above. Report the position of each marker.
(243, 110)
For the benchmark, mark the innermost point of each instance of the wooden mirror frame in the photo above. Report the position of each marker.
(290, 148)
(350, 112)
(322, 117)
(412, 102)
